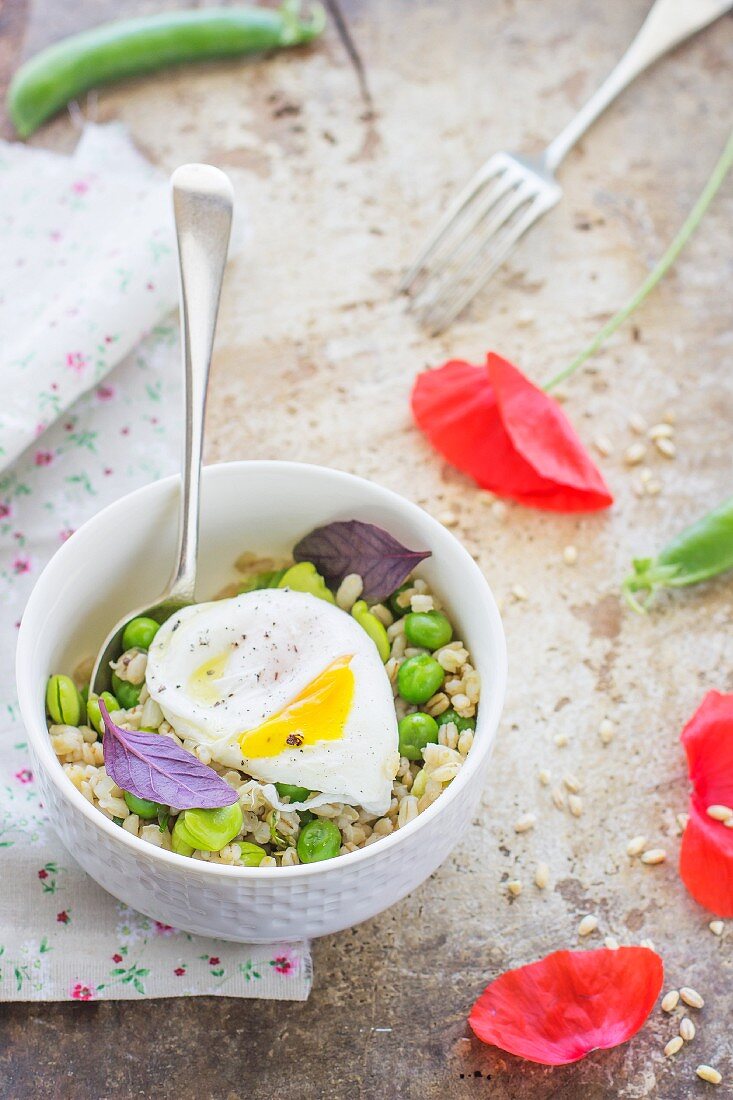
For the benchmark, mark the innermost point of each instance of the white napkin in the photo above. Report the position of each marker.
(88, 269)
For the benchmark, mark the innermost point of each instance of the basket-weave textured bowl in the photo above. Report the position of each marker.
(120, 558)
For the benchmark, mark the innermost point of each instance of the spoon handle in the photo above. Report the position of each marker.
(202, 205)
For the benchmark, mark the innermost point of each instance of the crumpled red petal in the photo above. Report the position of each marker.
(562, 1007)
(493, 424)
(706, 856)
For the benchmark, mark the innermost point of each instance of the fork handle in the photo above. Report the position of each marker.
(668, 23)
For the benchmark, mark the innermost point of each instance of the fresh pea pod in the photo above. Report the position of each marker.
(65, 70)
(698, 553)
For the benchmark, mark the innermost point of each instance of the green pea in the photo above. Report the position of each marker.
(373, 627)
(84, 693)
(139, 633)
(143, 807)
(304, 577)
(429, 629)
(419, 678)
(289, 790)
(416, 731)
(63, 701)
(262, 580)
(397, 609)
(210, 830)
(461, 724)
(251, 854)
(127, 695)
(93, 712)
(319, 839)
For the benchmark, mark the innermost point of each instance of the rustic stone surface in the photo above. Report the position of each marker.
(314, 363)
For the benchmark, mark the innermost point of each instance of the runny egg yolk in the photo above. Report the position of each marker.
(317, 713)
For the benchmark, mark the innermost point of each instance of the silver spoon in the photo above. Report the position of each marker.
(202, 204)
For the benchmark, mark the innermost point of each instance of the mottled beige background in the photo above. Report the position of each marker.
(314, 362)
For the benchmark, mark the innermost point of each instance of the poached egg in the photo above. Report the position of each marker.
(285, 687)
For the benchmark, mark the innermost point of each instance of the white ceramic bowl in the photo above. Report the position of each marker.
(119, 559)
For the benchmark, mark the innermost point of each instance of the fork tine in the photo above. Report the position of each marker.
(492, 168)
(464, 230)
(455, 278)
(494, 258)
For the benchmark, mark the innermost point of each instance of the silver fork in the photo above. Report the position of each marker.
(509, 193)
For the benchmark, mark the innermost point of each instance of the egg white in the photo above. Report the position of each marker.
(267, 646)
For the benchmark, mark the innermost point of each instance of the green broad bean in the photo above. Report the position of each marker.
(143, 807)
(416, 731)
(319, 839)
(395, 606)
(419, 784)
(251, 855)
(291, 791)
(93, 712)
(262, 580)
(428, 629)
(210, 830)
(63, 701)
(461, 724)
(139, 633)
(127, 695)
(373, 627)
(304, 577)
(419, 678)
(181, 841)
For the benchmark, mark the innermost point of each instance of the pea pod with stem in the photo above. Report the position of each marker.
(698, 553)
(55, 76)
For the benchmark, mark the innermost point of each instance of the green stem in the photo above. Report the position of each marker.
(659, 271)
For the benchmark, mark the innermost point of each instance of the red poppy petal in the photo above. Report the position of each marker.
(508, 435)
(706, 862)
(456, 408)
(706, 855)
(562, 1007)
(541, 432)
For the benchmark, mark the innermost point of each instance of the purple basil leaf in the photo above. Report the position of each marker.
(152, 766)
(351, 546)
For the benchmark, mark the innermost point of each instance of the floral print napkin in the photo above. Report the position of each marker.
(71, 310)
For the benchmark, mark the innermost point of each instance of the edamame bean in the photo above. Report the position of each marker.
(461, 724)
(304, 577)
(419, 678)
(428, 629)
(143, 807)
(127, 695)
(319, 839)
(139, 633)
(210, 830)
(395, 606)
(289, 790)
(93, 712)
(372, 626)
(416, 731)
(63, 701)
(251, 854)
